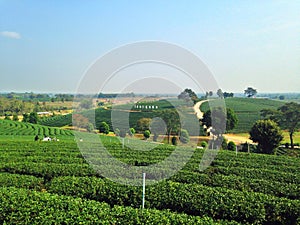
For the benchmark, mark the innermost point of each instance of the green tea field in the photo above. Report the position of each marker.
(52, 183)
(247, 110)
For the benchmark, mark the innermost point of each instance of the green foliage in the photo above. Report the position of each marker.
(250, 92)
(86, 104)
(231, 146)
(146, 134)
(90, 127)
(174, 140)
(131, 131)
(224, 144)
(246, 189)
(143, 124)
(21, 129)
(104, 128)
(247, 110)
(7, 117)
(287, 116)
(267, 134)
(184, 136)
(117, 132)
(33, 118)
(172, 121)
(15, 117)
(188, 95)
(21, 206)
(203, 144)
(219, 116)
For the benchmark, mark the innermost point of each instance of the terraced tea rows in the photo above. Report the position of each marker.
(8, 127)
(233, 188)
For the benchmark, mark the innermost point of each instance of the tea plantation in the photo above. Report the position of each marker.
(52, 183)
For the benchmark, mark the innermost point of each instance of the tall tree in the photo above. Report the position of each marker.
(143, 124)
(219, 117)
(33, 117)
(250, 92)
(287, 116)
(172, 121)
(104, 128)
(267, 134)
(188, 94)
(220, 93)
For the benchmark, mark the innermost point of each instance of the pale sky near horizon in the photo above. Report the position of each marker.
(46, 46)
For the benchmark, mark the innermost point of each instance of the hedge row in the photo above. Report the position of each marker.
(218, 203)
(20, 181)
(20, 206)
(279, 189)
(19, 128)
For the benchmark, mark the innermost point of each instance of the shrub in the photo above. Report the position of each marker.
(184, 136)
(231, 146)
(224, 143)
(174, 140)
(146, 134)
(203, 144)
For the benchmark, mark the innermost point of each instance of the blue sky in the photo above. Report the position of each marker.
(46, 46)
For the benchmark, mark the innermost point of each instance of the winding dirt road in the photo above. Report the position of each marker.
(197, 110)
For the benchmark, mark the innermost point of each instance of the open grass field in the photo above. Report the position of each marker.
(51, 182)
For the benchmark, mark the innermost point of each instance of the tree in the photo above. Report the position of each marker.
(174, 140)
(172, 121)
(117, 132)
(7, 117)
(15, 117)
(231, 146)
(188, 94)
(131, 131)
(86, 104)
(224, 143)
(250, 92)
(231, 119)
(184, 136)
(143, 124)
(228, 95)
(219, 116)
(122, 133)
(104, 128)
(25, 118)
(90, 127)
(33, 118)
(157, 127)
(146, 134)
(80, 121)
(220, 93)
(267, 134)
(287, 116)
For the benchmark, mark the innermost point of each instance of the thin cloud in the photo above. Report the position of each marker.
(11, 34)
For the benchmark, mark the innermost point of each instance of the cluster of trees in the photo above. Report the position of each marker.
(13, 106)
(167, 123)
(267, 132)
(250, 92)
(112, 95)
(41, 97)
(188, 95)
